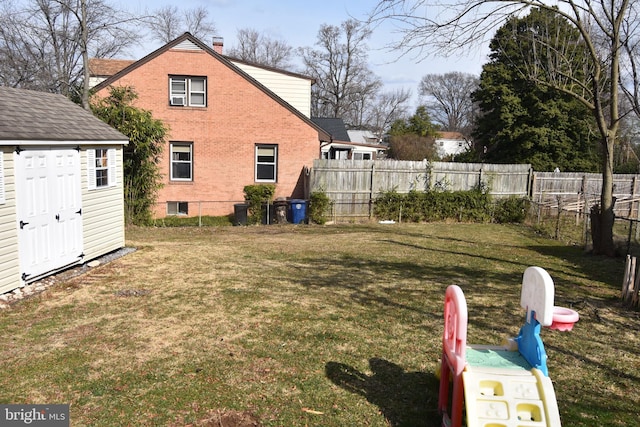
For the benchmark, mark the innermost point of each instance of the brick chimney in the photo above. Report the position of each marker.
(218, 43)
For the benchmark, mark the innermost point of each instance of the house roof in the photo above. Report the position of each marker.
(187, 37)
(451, 135)
(334, 126)
(351, 144)
(269, 68)
(106, 67)
(363, 136)
(40, 116)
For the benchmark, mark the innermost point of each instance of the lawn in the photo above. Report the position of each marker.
(308, 326)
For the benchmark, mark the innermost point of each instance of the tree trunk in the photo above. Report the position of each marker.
(602, 230)
(85, 55)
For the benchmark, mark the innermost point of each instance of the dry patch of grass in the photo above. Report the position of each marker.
(307, 325)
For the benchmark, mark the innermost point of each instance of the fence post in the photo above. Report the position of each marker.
(559, 199)
(373, 171)
(531, 182)
(628, 278)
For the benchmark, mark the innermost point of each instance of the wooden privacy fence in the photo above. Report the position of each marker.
(631, 282)
(353, 185)
(573, 191)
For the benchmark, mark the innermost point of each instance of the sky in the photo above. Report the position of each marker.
(297, 22)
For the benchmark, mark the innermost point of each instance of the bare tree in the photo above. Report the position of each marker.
(630, 82)
(45, 44)
(165, 23)
(197, 22)
(344, 82)
(386, 109)
(169, 22)
(605, 26)
(448, 100)
(261, 49)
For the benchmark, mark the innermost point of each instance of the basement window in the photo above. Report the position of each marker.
(177, 208)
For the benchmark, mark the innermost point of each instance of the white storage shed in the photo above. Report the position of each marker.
(61, 186)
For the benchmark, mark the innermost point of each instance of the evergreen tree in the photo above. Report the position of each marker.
(522, 121)
(142, 177)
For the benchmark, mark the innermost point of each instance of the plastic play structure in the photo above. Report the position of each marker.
(501, 386)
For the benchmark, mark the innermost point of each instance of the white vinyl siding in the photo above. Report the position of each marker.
(296, 91)
(103, 211)
(187, 45)
(9, 259)
(2, 198)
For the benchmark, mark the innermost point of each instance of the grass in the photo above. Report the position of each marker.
(308, 326)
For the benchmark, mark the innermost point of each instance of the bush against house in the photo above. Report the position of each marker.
(141, 157)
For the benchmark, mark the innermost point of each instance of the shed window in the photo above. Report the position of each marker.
(101, 168)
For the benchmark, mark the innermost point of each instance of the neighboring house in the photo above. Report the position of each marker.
(450, 143)
(363, 136)
(227, 128)
(61, 193)
(101, 69)
(341, 147)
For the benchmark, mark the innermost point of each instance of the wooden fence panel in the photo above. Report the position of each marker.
(353, 185)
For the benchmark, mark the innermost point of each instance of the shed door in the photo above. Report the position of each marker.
(49, 211)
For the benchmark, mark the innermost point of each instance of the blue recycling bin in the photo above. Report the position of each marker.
(298, 210)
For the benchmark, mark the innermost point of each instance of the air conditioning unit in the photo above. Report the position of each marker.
(178, 100)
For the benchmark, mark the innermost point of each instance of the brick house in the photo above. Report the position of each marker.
(231, 124)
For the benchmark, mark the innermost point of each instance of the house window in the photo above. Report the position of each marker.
(177, 208)
(341, 154)
(266, 163)
(181, 161)
(361, 156)
(188, 91)
(101, 167)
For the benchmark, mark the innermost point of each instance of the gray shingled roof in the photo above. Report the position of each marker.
(40, 116)
(334, 126)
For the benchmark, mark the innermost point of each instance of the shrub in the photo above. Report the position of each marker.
(388, 205)
(193, 221)
(511, 210)
(417, 206)
(255, 196)
(319, 205)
